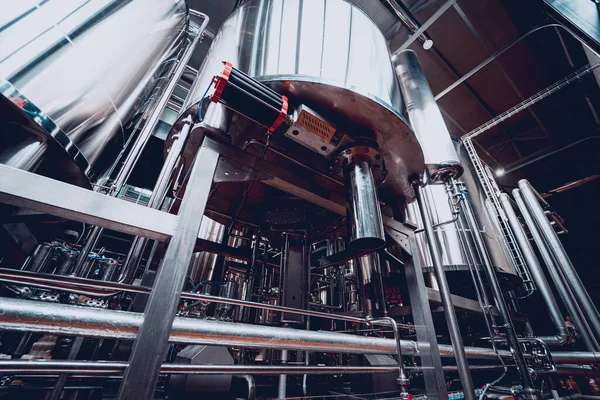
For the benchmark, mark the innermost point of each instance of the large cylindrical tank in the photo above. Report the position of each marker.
(328, 55)
(451, 240)
(84, 69)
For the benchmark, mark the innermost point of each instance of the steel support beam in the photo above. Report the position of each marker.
(24, 189)
(150, 347)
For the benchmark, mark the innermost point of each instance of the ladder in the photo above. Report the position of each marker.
(491, 193)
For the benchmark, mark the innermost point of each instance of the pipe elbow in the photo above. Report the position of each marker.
(562, 338)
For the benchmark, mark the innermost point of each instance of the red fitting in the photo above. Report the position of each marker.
(282, 115)
(221, 81)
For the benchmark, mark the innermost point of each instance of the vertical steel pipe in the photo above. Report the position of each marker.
(425, 117)
(451, 320)
(562, 335)
(561, 286)
(365, 223)
(511, 334)
(563, 261)
(282, 389)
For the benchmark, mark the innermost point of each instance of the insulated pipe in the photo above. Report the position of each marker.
(425, 117)
(563, 290)
(451, 320)
(562, 334)
(562, 259)
(365, 223)
(69, 320)
(511, 334)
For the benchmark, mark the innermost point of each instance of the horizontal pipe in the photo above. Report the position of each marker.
(117, 368)
(576, 357)
(24, 315)
(106, 289)
(68, 320)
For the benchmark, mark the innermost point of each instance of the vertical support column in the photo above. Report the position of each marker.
(429, 352)
(150, 346)
(293, 270)
(562, 259)
(453, 328)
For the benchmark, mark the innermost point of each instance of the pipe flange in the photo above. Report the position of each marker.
(361, 152)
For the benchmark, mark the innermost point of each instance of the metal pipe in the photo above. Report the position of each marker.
(99, 288)
(562, 334)
(62, 319)
(402, 379)
(365, 223)
(576, 357)
(281, 393)
(563, 261)
(409, 23)
(438, 13)
(425, 117)
(541, 157)
(511, 334)
(490, 59)
(453, 327)
(87, 368)
(563, 290)
(555, 87)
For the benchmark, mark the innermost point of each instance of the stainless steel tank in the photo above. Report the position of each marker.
(83, 69)
(447, 231)
(202, 264)
(327, 55)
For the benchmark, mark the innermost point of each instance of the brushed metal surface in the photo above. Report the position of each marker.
(90, 67)
(328, 55)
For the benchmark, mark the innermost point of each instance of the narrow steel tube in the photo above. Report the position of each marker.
(77, 368)
(563, 289)
(511, 334)
(402, 380)
(590, 312)
(365, 223)
(281, 392)
(451, 320)
(562, 335)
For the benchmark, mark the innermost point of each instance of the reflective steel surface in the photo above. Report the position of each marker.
(328, 55)
(89, 67)
(454, 249)
(426, 119)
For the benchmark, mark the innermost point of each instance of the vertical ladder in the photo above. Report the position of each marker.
(491, 193)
